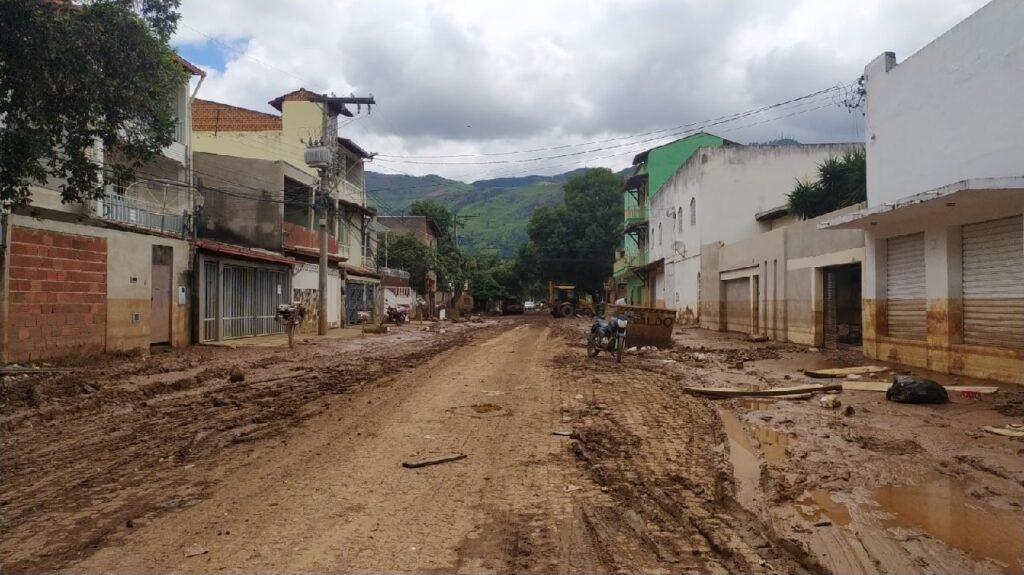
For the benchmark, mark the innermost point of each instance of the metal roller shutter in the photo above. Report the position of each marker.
(993, 283)
(737, 305)
(905, 287)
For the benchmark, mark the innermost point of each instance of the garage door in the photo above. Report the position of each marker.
(737, 305)
(905, 287)
(242, 301)
(993, 283)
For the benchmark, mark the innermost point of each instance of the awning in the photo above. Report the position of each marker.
(634, 181)
(963, 202)
(239, 251)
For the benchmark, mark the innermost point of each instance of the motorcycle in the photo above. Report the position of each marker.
(397, 314)
(607, 335)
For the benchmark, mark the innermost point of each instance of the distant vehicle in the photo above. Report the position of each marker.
(511, 306)
(529, 305)
(565, 302)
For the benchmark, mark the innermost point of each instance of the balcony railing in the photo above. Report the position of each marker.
(636, 215)
(636, 260)
(133, 211)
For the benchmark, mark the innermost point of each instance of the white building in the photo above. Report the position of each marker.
(723, 194)
(944, 260)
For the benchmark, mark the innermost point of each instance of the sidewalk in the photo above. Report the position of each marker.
(281, 339)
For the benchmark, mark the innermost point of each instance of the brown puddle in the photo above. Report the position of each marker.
(746, 469)
(943, 509)
(746, 466)
(816, 506)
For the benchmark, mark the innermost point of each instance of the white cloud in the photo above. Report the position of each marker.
(463, 77)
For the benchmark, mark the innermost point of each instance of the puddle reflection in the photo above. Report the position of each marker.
(943, 509)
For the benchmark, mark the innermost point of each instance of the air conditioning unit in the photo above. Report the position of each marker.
(318, 157)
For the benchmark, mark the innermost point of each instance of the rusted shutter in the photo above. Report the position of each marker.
(905, 287)
(993, 283)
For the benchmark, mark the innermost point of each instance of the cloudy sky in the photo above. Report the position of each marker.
(483, 79)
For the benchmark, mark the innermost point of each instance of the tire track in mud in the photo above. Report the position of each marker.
(666, 490)
(89, 453)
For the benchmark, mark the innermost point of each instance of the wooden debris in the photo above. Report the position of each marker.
(433, 460)
(1008, 430)
(564, 433)
(13, 370)
(885, 385)
(727, 392)
(845, 371)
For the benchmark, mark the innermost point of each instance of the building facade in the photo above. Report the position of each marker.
(651, 170)
(110, 275)
(721, 194)
(259, 192)
(944, 259)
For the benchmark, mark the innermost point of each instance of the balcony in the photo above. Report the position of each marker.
(636, 260)
(636, 215)
(138, 212)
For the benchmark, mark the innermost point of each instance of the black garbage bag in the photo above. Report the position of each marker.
(913, 389)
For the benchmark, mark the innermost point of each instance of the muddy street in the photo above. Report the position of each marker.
(571, 464)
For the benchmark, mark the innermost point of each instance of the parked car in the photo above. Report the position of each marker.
(511, 306)
(529, 305)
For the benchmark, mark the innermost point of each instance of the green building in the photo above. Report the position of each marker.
(652, 169)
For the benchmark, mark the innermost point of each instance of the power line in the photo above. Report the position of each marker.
(708, 122)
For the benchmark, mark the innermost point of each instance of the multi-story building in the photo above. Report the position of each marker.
(114, 274)
(259, 192)
(722, 195)
(944, 256)
(651, 169)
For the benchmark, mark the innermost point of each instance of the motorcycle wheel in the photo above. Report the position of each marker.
(620, 343)
(592, 349)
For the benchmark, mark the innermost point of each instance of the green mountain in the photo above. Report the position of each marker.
(496, 211)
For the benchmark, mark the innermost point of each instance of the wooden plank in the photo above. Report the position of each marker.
(845, 371)
(1005, 431)
(727, 392)
(433, 460)
(855, 385)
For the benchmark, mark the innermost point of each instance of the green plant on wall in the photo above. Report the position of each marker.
(841, 182)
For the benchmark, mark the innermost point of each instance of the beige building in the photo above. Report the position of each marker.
(794, 283)
(258, 191)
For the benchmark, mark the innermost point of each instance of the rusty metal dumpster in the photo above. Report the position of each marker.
(647, 325)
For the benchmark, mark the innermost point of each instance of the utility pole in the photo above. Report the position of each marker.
(324, 157)
(325, 190)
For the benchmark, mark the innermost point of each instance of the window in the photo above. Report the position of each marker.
(659, 233)
(693, 211)
(679, 218)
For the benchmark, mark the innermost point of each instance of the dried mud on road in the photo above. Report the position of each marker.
(572, 465)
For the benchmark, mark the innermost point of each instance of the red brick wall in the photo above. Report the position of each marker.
(58, 294)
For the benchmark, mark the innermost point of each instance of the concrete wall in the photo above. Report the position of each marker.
(241, 200)
(85, 289)
(943, 348)
(725, 187)
(950, 112)
(787, 265)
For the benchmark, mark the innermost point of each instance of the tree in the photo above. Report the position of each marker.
(575, 241)
(439, 213)
(842, 182)
(408, 253)
(75, 74)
